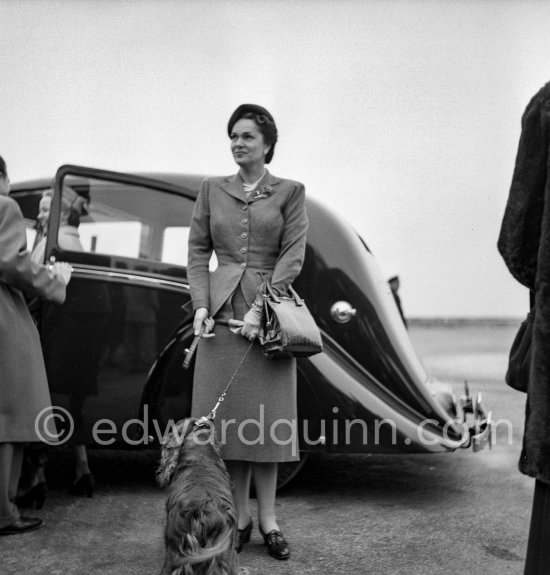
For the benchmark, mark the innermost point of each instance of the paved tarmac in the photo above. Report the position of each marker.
(405, 515)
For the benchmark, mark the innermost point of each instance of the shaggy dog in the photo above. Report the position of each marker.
(201, 521)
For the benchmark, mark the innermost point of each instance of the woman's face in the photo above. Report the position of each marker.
(4, 185)
(247, 143)
(44, 211)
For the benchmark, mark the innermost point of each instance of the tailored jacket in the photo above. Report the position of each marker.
(524, 243)
(256, 239)
(23, 386)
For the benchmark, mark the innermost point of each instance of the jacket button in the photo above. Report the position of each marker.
(244, 221)
(243, 265)
(244, 235)
(245, 207)
(243, 250)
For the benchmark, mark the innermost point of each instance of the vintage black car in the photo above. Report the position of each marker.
(114, 350)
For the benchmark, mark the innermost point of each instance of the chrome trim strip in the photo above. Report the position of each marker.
(130, 277)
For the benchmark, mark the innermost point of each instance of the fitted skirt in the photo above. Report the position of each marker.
(257, 421)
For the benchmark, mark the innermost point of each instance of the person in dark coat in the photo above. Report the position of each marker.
(524, 243)
(256, 224)
(23, 386)
(72, 347)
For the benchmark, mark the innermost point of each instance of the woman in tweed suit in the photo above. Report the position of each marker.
(256, 224)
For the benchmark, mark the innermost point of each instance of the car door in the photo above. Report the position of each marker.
(126, 239)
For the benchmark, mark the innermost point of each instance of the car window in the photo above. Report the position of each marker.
(175, 246)
(126, 220)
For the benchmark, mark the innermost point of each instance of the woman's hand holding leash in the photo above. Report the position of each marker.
(249, 327)
(202, 327)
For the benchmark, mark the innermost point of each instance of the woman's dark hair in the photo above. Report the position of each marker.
(3, 167)
(263, 119)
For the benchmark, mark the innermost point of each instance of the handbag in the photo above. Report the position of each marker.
(517, 375)
(288, 328)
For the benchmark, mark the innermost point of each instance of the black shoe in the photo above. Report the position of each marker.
(277, 545)
(243, 536)
(22, 525)
(35, 495)
(83, 485)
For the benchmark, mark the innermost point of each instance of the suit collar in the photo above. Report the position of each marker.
(233, 185)
(271, 180)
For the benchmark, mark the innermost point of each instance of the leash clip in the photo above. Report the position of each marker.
(203, 422)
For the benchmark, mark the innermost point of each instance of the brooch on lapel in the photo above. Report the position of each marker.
(263, 192)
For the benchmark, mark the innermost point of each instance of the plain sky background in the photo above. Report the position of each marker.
(403, 116)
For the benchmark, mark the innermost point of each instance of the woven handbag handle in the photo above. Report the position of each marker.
(297, 298)
(274, 297)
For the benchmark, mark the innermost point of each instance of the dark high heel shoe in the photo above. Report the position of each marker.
(243, 536)
(36, 495)
(277, 545)
(22, 525)
(83, 485)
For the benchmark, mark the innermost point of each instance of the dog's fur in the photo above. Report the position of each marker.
(201, 521)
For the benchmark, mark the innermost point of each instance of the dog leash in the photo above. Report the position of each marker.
(205, 419)
(212, 415)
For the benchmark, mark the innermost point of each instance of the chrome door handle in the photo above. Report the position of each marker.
(342, 312)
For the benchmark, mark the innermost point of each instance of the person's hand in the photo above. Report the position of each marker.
(62, 270)
(203, 322)
(249, 327)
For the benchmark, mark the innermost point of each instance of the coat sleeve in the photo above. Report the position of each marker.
(16, 266)
(520, 232)
(200, 250)
(293, 241)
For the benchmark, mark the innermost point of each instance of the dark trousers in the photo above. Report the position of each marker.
(537, 561)
(11, 459)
